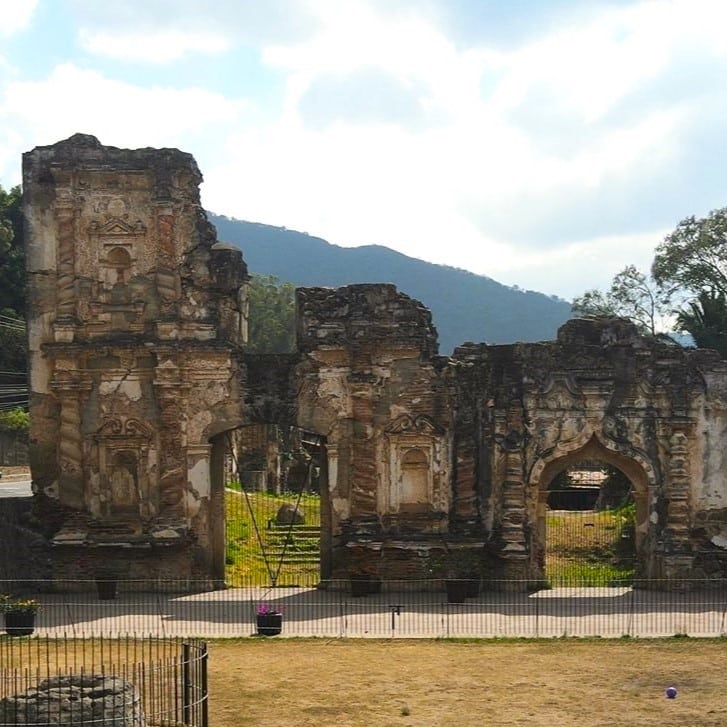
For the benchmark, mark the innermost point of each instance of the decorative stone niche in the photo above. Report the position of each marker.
(123, 463)
(414, 445)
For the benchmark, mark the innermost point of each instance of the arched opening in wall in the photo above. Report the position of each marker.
(592, 519)
(118, 264)
(271, 484)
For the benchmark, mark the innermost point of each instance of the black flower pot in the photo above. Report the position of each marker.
(106, 588)
(473, 587)
(456, 590)
(19, 623)
(364, 585)
(269, 624)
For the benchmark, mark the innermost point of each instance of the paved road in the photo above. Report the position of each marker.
(15, 488)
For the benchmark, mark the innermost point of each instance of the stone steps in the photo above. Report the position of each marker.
(303, 543)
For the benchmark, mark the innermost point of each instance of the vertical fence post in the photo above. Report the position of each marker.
(186, 685)
(632, 602)
(203, 677)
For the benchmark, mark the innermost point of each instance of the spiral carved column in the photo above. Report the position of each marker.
(69, 388)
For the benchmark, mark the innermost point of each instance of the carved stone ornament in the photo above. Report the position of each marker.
(124, 429)
(420, 424)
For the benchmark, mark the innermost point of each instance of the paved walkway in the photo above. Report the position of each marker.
(606, 612)
(15, 487)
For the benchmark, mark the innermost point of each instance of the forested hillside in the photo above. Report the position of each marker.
(465, 307)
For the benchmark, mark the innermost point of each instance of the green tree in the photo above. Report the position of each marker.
(706, 320)
(694, 256)
(271, 322)
(631, 295)
(12, 257)
(15, 421)
(13, 352)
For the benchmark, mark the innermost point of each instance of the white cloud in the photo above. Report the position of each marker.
(247, 21)
(73, 100)
(574, 268)
(470, 181)
(472, 189)
(159, 46)
(16, 15)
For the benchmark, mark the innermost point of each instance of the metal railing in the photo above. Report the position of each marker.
(130, 681)
(652, 608)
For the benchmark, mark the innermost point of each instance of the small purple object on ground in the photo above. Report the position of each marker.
(671, 692)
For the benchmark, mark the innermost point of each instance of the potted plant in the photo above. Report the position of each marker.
(269, 620)
(106, 584)
(460, 569)
(19, 615)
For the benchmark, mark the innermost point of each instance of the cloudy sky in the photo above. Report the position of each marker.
(544, 143)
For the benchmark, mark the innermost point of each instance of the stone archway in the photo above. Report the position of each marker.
(593, 450)
(269, 498)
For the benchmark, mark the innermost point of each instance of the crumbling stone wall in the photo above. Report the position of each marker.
(137, 325)
(427, 453)
(135, 319)
(371, 383)
(602, 391)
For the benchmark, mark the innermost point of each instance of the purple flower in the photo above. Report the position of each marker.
(265, 609)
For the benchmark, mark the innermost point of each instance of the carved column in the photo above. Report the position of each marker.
(678, 558)
(68, 386)
(515, 550)
(64, 324)
(363, 465)
(171, 391)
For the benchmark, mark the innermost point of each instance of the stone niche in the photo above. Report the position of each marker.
(135, 317)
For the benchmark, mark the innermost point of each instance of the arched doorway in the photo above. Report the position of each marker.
(268, 482)
(591, 518)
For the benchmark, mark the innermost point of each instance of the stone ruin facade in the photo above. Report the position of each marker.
(136, 317)
(137, 325)
(428, 452)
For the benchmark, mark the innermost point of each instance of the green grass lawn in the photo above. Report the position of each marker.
(589, 548)
(252, 552)
(583, 548)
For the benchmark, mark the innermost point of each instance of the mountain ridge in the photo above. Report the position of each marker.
(465, 306)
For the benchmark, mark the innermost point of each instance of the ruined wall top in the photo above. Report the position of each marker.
(125, 248)
(83, 151)
(599, 331)
(363, 315)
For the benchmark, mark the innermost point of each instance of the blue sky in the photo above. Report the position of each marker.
(545, 143)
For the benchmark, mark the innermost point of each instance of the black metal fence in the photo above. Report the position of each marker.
(135, 682)
(410, 609)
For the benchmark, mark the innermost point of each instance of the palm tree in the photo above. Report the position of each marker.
(706, 321)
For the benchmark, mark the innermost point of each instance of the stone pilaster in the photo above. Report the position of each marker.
(678, 559)
(513, 514)
(171, 395)
(65, 320)
(69, 387)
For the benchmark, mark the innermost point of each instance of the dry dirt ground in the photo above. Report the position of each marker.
(421, 683)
